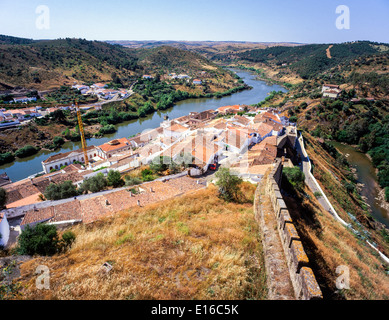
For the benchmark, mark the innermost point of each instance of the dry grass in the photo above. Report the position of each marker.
(332, 245)
(191, 247)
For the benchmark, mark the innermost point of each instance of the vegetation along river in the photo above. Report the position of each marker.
(367, 176)
(23, 168)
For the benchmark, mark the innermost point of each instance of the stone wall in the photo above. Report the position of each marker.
(303, 280)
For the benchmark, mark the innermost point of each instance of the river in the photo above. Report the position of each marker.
(367, 175)
(23, 168)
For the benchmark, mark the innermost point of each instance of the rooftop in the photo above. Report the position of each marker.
(115, 144)
(61, 156)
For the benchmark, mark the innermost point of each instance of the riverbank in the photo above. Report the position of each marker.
(370, 190)
(263, 77)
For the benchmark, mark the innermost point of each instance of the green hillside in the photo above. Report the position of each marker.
(310, 60)
(51, 63)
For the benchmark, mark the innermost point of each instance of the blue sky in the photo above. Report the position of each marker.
(305, 21)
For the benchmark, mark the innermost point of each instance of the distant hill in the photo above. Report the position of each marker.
(166, 58)
(310, 60)
(51, 63)
(47, 64)
(14, 40)
(208, 49)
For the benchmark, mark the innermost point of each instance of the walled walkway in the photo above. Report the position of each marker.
(278, 278)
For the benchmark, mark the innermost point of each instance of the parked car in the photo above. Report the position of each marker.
(213, 166)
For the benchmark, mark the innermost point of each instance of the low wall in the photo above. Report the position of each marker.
(303, 280)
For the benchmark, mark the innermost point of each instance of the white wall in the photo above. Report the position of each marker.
(4, 230)
(67, 161)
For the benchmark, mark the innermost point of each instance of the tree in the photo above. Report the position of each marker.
(94, 184)
(58, 116)
(294, 176)
(114, 179)
(60, 191)
(58, 141)
(228, 184)
(3, 198)
(41, 239)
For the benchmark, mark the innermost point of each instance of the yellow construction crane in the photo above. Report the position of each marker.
(81, 126)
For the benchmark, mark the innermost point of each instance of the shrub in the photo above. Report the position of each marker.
(6, 157)
(147, 175)
(228, 184)
(160, 164)
(110, 128)
(26, 151)
(68, 239)
(132, 181)
(58, 141)
(318, 194)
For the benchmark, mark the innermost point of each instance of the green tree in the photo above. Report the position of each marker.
(60, 191)
(228, 184)
(294, 176)
(41, 239)
(94, 184)
(114, 179)
(147, 175)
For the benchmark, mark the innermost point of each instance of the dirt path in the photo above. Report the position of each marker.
(278, 279)
(329, 52)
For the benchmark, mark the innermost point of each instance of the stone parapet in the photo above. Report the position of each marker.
(302, 277)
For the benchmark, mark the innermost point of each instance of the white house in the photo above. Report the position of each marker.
(24, 99)
(114, 147)
(333, 93)
(4, 229)
(57, 161)
(176, 131)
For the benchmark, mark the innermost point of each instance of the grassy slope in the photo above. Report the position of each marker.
(192, 247)
(329, 245)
